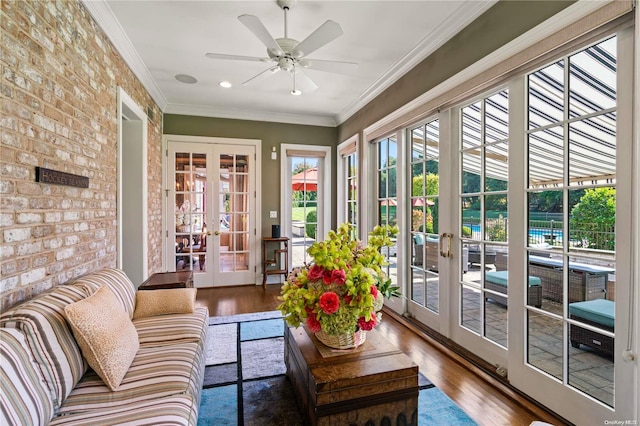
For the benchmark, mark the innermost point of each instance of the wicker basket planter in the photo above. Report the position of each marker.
(342, 341)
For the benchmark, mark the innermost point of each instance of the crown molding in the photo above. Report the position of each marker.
(238, 114)
(465, 14)
(107, 21)
(576, 11)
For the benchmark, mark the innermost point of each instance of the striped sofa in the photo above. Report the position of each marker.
(46, 380)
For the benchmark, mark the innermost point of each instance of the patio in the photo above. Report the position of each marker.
(589, 371)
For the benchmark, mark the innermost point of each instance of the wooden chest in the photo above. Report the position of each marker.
(374, 383)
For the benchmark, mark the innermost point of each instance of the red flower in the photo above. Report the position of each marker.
(338, 276)
(308, 310)
(374, 291)
(315, 273)
(329, 302)
(326, 277)
(347, 298)
(367, 325)
(313, 324)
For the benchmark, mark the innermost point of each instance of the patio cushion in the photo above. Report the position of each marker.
(599, 311)
(501, 278)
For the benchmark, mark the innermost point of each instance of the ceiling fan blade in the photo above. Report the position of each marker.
(236, 57)
(329, 66)
(258, 29)
(326, 33)
(304, 82)
(266, 73)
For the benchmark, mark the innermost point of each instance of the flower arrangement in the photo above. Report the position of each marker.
(343, 290)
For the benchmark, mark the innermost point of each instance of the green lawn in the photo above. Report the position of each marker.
(298, 213)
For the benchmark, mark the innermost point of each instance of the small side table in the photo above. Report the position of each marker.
(163, 280)
(275, 265)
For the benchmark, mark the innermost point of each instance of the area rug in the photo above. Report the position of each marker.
(245, 382)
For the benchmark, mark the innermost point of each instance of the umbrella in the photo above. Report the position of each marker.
(306, 180)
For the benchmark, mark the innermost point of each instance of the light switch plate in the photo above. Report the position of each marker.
(273, 214)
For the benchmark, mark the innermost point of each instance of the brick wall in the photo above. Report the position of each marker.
(60, 75)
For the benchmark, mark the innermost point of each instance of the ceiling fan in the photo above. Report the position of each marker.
(289, 54)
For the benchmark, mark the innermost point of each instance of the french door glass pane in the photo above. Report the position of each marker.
(425, 244)
(571, 219)
(304, 207)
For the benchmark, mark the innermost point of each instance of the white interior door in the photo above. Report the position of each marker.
(212, 212)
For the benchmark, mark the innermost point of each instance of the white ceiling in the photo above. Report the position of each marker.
(160, 39)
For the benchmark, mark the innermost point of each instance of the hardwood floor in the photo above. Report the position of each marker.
(484, 398)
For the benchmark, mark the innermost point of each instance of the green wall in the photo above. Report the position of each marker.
(271, 134)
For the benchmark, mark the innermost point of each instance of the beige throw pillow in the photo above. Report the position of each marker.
(106, 336)
(163, 302)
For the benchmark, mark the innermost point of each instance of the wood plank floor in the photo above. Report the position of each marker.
(485, 399)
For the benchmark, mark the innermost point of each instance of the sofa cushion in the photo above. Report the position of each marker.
(50, 339)
(155, 373)
(25, 398)
(172, 329)
(163, 302)
(105, 333)
(117, 281)
(173, 410)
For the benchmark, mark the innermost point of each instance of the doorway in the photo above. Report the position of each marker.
(212, 207)
(306, 201)
(132, 189)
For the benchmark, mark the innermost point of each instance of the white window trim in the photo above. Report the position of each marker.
(345, 149)
(324, 223)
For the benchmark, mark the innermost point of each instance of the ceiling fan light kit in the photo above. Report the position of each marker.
(288, 54)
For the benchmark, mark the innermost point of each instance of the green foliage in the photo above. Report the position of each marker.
(362, 277)
(466, 231)
(497, 230)
(311, 226)
(593, 219)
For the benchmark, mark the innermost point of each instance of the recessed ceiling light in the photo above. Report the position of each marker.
(296, 92)
(224, 84)
(184, 78)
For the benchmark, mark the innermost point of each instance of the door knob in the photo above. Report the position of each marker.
(208, 232)
(217, 232)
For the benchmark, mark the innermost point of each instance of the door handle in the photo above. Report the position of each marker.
(216, 232)
(445, 253)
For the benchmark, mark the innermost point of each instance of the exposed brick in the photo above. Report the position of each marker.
(59, 108)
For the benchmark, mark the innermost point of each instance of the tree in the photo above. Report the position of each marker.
(593, 219)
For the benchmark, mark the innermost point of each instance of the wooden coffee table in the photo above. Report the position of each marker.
(376, 382)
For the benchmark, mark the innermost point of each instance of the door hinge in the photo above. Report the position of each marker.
(166, 152)
(167, 233)
(166, 193)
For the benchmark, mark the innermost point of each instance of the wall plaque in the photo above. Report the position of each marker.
(61, 178)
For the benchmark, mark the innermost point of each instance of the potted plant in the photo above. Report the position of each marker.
(340, 294)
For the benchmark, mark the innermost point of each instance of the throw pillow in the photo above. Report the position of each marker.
(105, 334)
(163, 302)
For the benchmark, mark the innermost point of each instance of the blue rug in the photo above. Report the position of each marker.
(245, 382)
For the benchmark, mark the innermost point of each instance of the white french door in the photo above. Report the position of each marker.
(211, 200)
(519, 242)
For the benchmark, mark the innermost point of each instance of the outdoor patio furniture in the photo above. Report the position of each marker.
(474, 257)
(586, 282)
(598, 313)
(498, 280)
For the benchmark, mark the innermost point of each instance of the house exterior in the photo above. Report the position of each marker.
(61, 75)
